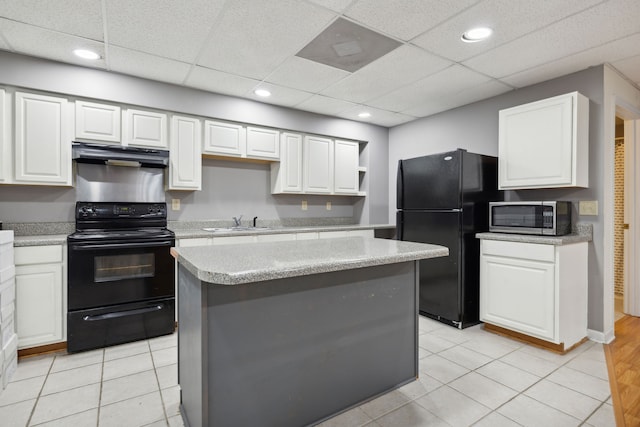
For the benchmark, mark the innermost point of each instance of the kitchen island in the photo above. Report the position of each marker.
(292, 333)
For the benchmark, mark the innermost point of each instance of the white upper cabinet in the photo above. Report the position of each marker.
(97, 122)
(43, 129)
(317, 165)
(286, 175)
(545, 144)
(185, 154)
(145, 129)
(224, 139)
(263, 143)
(346, 167)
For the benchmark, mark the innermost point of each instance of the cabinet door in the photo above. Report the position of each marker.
(544, 144)
(263, 143)
(346, 164)
(225, 139)
(318, 165)
(185, 155)
(39, 305)
(145, 129)
(519, 294)
(99, 122)
(42, 140)
(286, 175)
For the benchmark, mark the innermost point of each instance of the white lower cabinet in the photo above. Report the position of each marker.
(40, 295)
(535, 289)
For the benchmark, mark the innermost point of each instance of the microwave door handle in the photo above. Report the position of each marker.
(90, 246)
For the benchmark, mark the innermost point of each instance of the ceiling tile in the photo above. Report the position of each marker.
(325, 105)
(630, 67)
(566, 37)
(166, 28)
(437, 86)
(335, 5)
(300, 73)
(271, 32)
(219, 82)
(405, 19)
(78, 17)
(30, 40)
(379, 117)
(509, 20)
(611, 52)
(403, 66)
(469, 95)
(280, 95)
(148, 66)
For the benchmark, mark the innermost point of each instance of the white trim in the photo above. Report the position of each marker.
(597, 336)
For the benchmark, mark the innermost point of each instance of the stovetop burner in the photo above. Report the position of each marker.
(120, 221)
(129, 234)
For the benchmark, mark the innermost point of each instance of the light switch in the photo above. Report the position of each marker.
(328, 206)
(588, 207)
(304, 205)
(175, 204)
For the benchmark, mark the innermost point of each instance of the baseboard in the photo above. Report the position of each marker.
(601, 337)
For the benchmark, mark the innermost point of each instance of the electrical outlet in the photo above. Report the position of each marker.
(304, 205)
(328, 206)
(588, 207)
(175, 204)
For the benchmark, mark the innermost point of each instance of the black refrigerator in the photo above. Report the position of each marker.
(444, 199)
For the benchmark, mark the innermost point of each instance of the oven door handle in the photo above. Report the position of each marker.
(117, 314)
(90, 247)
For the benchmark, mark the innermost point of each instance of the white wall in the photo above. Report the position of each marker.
(223, 181)
(475, 127)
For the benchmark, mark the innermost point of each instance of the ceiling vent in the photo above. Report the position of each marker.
(347, 46)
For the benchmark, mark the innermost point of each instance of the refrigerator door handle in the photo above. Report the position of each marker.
(399, 187)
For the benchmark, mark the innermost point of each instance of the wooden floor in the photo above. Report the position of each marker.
(623, 360)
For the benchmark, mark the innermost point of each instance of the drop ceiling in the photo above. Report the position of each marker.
(233, 47)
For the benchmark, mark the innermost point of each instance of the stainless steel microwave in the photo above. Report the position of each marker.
(551, 218)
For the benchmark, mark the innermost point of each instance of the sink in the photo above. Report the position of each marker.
(228, 229)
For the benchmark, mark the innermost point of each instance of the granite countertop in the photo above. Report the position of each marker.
(36, 234)
(40, 240)
(582, 233)
(199, 232)
(256, 262)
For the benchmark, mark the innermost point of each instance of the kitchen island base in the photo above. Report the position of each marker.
(295, 351)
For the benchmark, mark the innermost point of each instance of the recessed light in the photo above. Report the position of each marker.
(476, 34)
(364, 115)
(86, 54)
(262, 93)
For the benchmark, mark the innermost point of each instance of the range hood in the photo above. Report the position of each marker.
(116, 155)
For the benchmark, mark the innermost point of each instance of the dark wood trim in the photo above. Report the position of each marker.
(42, 349)
(556, 348)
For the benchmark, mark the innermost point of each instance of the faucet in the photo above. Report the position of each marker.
(254, 221)
(237, 221)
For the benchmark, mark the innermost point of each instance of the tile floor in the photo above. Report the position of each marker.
(468, 377)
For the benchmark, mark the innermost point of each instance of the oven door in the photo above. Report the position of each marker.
(107, 273)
